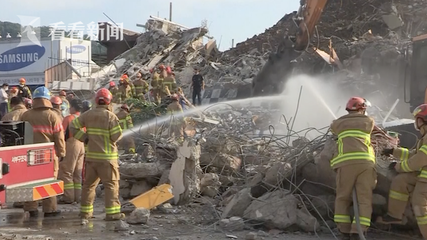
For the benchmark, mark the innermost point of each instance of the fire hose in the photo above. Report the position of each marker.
(356, 215)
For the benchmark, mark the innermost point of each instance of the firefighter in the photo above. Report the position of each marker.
(125, 90)
(125, 77)
(57, 105)
(177, 127)
(141, 87)
(354, 165)
(126, 123)
(101, 161)
(18, 108)
(160, 86)
(13, 92)
(412, 177)
(155, 76)
(70, 167)
(170, 81)
(114, 91)
(24, 90)
(28, 103)
(87, 105)
(47, 127)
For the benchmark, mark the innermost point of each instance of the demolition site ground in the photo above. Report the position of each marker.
(184, 223)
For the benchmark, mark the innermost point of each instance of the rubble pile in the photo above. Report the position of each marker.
(275, 179)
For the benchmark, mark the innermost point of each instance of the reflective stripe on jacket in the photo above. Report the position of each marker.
(102, 133)
(346, 156)
(353, 132)
(415, 160)
(125, 120)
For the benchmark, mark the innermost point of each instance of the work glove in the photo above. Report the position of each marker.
(61, 159)
(86, 141)
(392, 166)
(132, 150)
(387, 152)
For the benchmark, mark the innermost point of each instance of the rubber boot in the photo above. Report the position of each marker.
(34, 214)
(52, 214)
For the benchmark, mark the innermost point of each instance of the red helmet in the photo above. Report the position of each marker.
(168, 69)
(152, 70)
(104, 95)
(14, 90)
(357, 103)
(125, 107)
(162, 67)
(28, 102)
(56, 100)
(22, 81)
(125, 76)
(112, 84)
(420, 112)
(174, 96)
(63, 93)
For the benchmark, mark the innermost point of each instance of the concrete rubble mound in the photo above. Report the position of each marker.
(283, 181)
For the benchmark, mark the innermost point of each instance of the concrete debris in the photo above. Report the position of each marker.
(232, 224)
(139, 216)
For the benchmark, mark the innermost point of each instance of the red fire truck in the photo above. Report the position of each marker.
(27, 169)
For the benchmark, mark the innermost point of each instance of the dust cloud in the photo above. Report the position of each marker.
(321, 101)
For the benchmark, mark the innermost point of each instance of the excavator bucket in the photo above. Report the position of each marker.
(154, 197)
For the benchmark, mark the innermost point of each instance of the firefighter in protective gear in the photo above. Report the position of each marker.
(114, 91)
(28, 103)
(70, 167)
(125, 77)
(87, 105)
(354, 164)
(163, 74)
(23, 90)
(47, 127)
(126, 124)
(18, 109)
(170, 81)
(57, 106)
(155, 84)
(125, 90)
(412, 178)
(141, 87)
(177, 122)
(101, 161)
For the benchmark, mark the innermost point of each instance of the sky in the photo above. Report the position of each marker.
(226, 19)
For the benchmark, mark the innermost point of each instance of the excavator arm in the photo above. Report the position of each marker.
(308, 16)
(272, 77)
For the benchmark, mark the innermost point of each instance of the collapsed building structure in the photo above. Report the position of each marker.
(282, 180)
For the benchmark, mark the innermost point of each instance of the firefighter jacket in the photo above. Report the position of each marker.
(132, 89)
(353, 133)
(125, 119)
(102, 133)
(141, 87)
(125, 92)
(173, 109)
(47, 126)
(24, 91)
(170, 82)
(116, 94)
(415, 160)
(163, 74)
(59, 112)
(15, 114)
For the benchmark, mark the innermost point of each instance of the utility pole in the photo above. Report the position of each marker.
(232, 43)
(170, 12)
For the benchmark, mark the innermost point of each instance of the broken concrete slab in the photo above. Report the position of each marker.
(238, 204)
(138, 216)
(276, 210)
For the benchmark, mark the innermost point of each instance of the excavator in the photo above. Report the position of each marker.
(280, 65)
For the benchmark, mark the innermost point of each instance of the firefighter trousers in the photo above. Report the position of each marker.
(49, 204)
(127, 143)
(363, 178)
(70, 170)
(402, 186)
(176, 130)
(156, 95)
(108, 173)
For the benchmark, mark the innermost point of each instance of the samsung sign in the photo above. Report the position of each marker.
(76, 49)
(20, 57)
